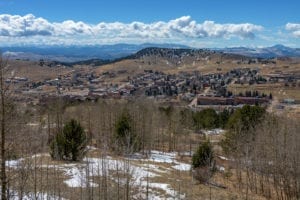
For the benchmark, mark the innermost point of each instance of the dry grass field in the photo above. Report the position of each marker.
(278, 90)
(34, 72)
(212, 64)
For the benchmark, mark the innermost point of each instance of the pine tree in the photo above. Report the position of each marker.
(70, 144)
(125, 134)
(203, 162)
(204, 155)
(240, 124)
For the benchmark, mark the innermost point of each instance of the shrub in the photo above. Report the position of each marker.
(70, 144)
(202, 174)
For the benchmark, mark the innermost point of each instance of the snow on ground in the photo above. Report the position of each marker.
(91, 148)
(167, 189)
(78, 175)
(14, 163)
(140, 170)
(154, 168)
(186, 153)
(14, 195)
(19, 162)
(216, 131)
(162, 157)
(182, 167)
(220, 168)
(225, 158)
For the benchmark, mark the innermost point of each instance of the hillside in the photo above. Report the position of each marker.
(175, 60)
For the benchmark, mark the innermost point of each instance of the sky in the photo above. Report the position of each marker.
(197, 23)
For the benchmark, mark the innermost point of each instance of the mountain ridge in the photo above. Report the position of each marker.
(277, 50)
(75, 53)
(71, 54)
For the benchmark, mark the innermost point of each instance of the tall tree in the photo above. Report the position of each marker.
(125, 134)
(4, 111)
(203, 162)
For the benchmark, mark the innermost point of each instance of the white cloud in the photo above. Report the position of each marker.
(29, 28)
(28, 25)
(293, 28)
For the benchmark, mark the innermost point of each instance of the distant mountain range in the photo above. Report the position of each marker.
(111, 52)
(78, 53)
(267, 52)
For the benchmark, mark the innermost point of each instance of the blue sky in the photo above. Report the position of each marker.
(198, 23)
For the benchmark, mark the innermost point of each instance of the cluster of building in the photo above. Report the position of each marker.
(189, 84)
(208, 89)
(233, 101)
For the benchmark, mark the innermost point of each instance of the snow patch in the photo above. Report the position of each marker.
(224, 158)
(216, 131)
(162, 157)
(14, 195)
(137, 167)
(182, 167)
(221, 168)
(14, 163)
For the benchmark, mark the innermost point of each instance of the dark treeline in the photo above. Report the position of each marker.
(209, 118)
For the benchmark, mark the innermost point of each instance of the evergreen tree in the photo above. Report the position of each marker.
(204, 155)
(125, 134)
(223, 118)
(207, 118)
(70, 144)
(203, 162)
(240, 124)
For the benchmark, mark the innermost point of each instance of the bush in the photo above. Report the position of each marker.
(202, 174)
(70, 144)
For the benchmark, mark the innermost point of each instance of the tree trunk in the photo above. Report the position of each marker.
(3, 155)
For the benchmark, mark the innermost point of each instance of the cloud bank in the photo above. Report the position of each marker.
(294, 29)
(32, 29)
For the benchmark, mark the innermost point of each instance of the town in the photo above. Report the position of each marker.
(193, 87)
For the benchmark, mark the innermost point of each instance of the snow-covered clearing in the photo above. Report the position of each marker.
(139, 170)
